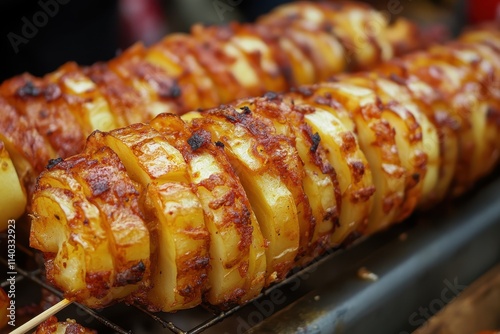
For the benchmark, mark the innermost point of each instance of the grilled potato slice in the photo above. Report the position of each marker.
(489, 66)
(157, 90)
(11, 206)
(234, 63)
(429, 105)
(478, 95)
(354, 174)
(124, 102)
(301, 67)
(324, 51)
(459, 82)
(269, 196)
(43, 106)
(174, 54)
(261, 54)
(28, 150)
(84, 99)
(321, 186)
(66, 265)
(179, 236)
(318, 197)
(237, 248)
(424, 160)
(181, 258)
(413, 141)
(376, 139)
(70, 230)
(274, 135)
(361, 32)
(218, 59)
(106, 184)
(444, 82)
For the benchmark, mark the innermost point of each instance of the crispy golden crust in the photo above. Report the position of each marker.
(175, 54)
(312, 173)
(124, 101)
(102, 214)
(278, 140)
(236, 247)
(29, 150)
(44, 106)
(364, 36)
(109, 188)
(276, 214)
(454, 81)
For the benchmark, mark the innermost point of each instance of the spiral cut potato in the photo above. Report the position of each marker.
(214, 206)
(300, 43)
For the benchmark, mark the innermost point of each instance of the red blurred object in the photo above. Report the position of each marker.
(142, 20)
(484, 10)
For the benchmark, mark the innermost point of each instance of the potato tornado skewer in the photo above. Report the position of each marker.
(309, 170)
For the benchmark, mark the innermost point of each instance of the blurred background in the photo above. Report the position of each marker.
(39, 36)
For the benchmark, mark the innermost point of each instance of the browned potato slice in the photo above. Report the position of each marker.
(226, 61)
(319, 216)
(362, 32)
(416, 139)
(181, 255)
(43, 109)
(435, 187)
(260, 117)
(261, 55)
(353, 172)
(269, 196)
(443, 85)
(158, 90)
(324, 51)
(425, 159)
(478, 94)
(106, 184)
(84, 99)
(178, 232)
(237, 248)
(217, 58)
(175, 56)
(321, 186)
(376, 139)
(70, 229)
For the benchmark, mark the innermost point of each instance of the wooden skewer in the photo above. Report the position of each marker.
(41, 317)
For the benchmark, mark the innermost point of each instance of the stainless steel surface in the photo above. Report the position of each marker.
(476, 309)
